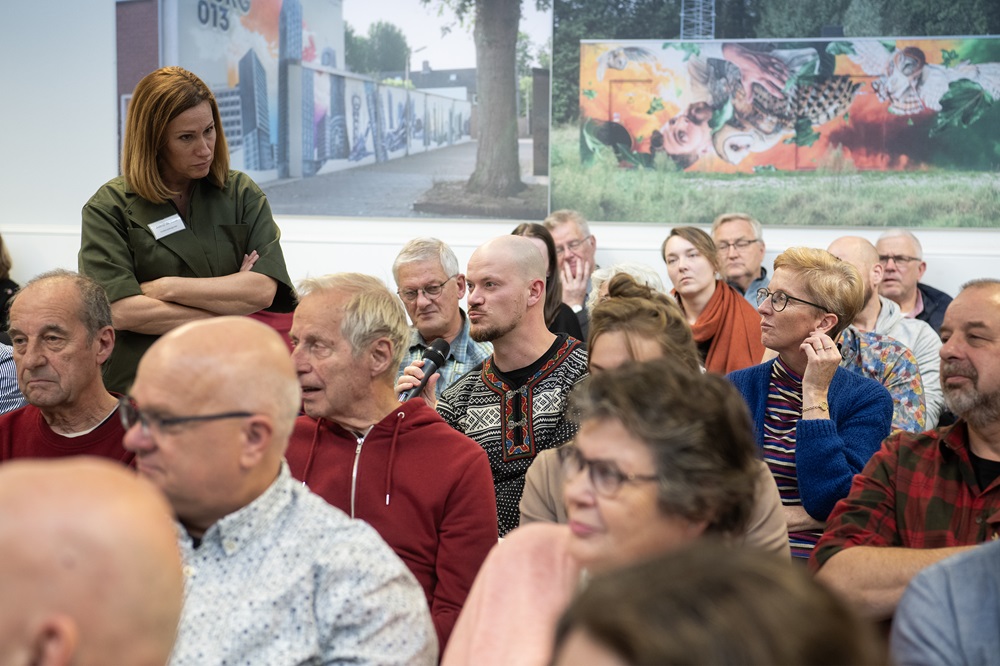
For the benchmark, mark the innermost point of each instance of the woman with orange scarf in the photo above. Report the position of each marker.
(726, 328)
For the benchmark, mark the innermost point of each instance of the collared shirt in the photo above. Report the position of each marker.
(289, 579)
(465, 354)
(10, 393)
(949, 612)
(759, 282)
(918, 491)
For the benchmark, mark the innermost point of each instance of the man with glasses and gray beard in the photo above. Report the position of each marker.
(924, 497)
(739, 239)
(430, 284)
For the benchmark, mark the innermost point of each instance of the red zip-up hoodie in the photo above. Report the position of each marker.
(425, 487)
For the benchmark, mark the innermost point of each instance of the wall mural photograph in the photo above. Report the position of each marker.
(863, 132)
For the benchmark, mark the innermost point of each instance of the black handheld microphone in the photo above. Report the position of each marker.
(434, 357)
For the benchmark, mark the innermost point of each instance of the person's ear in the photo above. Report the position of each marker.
(878, 272)
(460, 283)
(921, 268)
(105, 343)
(380, 355)
(258, 432)
(536, 291)
(827, 323)
(55, 642)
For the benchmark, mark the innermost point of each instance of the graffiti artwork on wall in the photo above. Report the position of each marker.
(737, 106)
(710, 117)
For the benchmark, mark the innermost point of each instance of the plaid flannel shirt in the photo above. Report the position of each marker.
(918, 491)
(465, 354)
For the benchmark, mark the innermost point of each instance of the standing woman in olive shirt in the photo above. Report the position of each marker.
(178, 236)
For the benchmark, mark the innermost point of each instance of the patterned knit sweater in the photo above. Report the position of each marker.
(513, 423)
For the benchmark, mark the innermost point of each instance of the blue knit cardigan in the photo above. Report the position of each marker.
(828, 452)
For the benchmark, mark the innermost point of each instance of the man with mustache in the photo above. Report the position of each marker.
(61, 334)
(924, 497)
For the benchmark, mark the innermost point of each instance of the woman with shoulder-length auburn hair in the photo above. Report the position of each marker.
(178, 236)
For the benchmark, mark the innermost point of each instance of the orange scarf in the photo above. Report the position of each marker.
(733, 326)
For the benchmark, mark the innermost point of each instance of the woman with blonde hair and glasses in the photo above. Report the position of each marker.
(816, 423)
(726, 328)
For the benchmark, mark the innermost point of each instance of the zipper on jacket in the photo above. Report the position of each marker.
(354, 472)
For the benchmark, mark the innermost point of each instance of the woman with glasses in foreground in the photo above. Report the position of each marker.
(663, 456)
(817, 424)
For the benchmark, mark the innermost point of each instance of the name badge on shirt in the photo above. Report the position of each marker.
(166, 226)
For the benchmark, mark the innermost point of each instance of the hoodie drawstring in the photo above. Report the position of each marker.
(392, 455)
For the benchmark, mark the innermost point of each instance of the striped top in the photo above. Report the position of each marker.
(781, 416)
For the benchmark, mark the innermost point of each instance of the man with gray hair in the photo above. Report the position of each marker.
(61, 333)
(926, 496)
(274, 574)
(739, 240)
(515, 406)
(430, 284)
(575, 249)
(425, 487)
(902, 258)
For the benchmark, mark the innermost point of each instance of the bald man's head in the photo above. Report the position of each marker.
(92, 574)
(860, 253)
(506, 281)
(518, 252)
(235, 377)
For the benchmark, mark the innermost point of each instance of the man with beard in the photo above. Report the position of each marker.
(515, 405)
(925, 497)
(883, 317)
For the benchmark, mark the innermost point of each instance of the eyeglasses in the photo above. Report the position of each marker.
(430, 291)
(572, 246)
(740, 245)
(604, 476)
(779, 299)
(884, 259)
(130, 414)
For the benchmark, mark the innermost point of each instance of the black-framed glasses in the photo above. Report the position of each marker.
(430, 291)
(604, 475)
(740, 245)
(130, 414)
(898, 259)
(572, 246)
(779, 299)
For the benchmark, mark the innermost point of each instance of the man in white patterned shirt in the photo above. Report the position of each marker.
(430, 285)
(274, 575)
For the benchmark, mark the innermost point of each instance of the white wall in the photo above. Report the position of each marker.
(58, 145)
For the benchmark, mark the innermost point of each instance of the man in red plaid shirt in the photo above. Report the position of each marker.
(924, 497)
